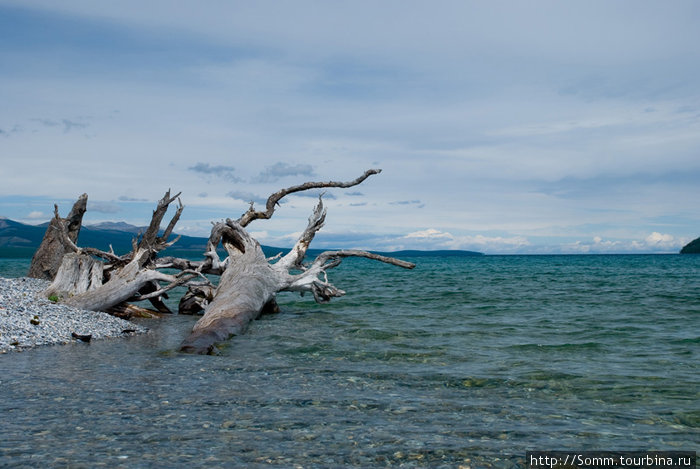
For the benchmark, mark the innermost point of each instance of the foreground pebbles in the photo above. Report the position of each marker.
(28, 320)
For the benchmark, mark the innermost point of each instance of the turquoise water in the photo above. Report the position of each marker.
(462, 361)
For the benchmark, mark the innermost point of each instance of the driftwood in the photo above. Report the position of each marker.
(47, 259)
(131, 277)
(248, 280)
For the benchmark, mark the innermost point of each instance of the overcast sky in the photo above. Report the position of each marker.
(501, 127)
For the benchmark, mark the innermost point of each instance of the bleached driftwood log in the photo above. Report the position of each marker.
(250, 282)
(48, 257)
(131, 277)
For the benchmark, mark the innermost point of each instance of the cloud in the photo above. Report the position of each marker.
(125, 198)
(654, 243)
(663, 241)
(220, 171)
(103, 207)
(280, 169)
(431, 239)
(405, 202)
(36, 215)
(417, 203)
(247, 197)
(517, 141)
(494, 244)
(67, 124)
(261, 236)
(46, 122)
(429, 233)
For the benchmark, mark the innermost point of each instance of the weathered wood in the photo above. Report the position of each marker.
(195, 299)
(130, 311)
(131, 277)
(47, 258)
(77, 274)
(273, 200)
(247, 284)
(250, 282)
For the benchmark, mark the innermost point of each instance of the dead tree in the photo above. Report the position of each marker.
(248, 280)
(86, 283)
(48, 257)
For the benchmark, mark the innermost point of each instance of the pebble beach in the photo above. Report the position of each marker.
(28, 320)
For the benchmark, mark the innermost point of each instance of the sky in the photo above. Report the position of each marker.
(505, 127)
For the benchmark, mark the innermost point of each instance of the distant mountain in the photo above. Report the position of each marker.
(692, 247)
(19, 240)
(117, 226)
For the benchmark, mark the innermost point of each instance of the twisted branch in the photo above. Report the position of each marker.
(272, 201)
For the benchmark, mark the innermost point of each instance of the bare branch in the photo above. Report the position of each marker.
(334, 256)
(296, 256)
(175, 281)
(272, 201)
(323, 290)
(171, 225)
(276, 256)
(205, 267)
(150, 239)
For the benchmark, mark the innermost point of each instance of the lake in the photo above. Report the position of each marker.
(463, 361)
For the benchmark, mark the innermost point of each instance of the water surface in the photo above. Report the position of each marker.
(462, 361)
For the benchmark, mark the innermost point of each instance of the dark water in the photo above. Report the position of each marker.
(462, 361)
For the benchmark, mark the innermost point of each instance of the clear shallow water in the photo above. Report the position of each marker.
(466, 361)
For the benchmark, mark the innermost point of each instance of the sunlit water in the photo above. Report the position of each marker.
(462, 361)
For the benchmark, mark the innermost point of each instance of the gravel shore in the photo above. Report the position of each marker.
(28, 320)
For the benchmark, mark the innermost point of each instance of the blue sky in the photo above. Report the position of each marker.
(502, 127)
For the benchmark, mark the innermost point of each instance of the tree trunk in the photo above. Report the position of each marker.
(129, 278)
(246, 286)
(249, 284)
(48, 257)
(78, 273)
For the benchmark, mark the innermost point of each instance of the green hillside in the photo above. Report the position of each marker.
(692, 247)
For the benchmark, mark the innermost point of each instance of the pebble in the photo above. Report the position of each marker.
(27, 319)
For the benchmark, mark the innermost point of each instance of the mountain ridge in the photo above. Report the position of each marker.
(21, 240)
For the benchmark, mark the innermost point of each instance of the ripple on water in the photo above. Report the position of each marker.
(513, 353)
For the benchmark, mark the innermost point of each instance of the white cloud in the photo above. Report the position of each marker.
(662, 240)
(432, 239)
(654, 243)
(262, 236)
(36, 215)
(429, 233)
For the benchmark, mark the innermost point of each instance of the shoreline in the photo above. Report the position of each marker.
(27, 320)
